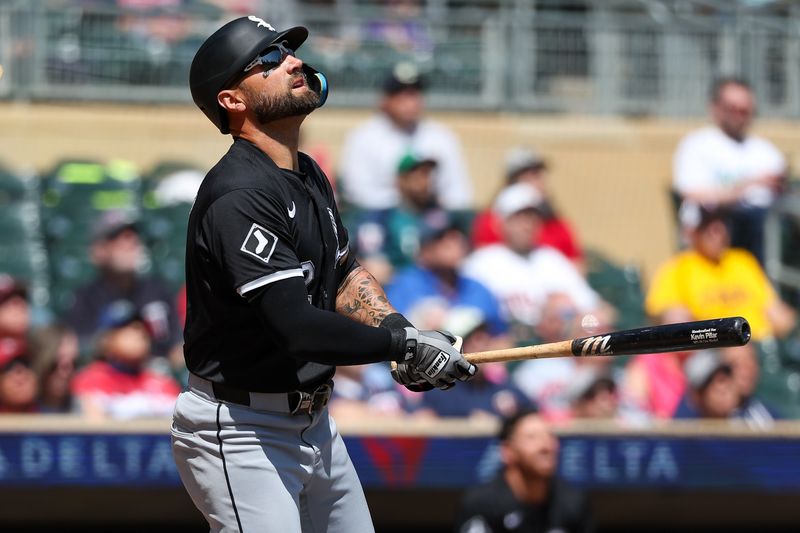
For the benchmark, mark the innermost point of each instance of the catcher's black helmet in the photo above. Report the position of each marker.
(225, 54)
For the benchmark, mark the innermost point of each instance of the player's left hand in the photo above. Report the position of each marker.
(412, 379)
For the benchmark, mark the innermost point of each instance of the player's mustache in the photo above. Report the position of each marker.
(298, 76)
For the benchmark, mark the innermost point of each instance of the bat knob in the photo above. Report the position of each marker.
(741, 328)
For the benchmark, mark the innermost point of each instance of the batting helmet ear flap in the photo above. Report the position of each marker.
(317, 82)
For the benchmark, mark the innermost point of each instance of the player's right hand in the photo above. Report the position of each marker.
(432, 356)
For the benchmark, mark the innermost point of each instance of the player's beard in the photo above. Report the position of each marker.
(269, 108)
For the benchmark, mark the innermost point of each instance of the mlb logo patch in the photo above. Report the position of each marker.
(260, 242)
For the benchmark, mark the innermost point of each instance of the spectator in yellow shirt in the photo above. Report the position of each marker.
(711, 280)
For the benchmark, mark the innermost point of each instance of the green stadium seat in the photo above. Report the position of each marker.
(21, 251)
(18, 261)
(74, 195)
(77, 192)
(787, 350)
(620, 286)
(164, 233)
(779, 385)
(69, 268)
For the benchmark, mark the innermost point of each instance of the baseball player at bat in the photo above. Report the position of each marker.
(275, 302)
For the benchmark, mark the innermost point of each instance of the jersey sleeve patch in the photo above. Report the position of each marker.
(260, 242)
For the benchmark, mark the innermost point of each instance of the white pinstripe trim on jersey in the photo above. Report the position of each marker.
(342, 253)
(270, 278)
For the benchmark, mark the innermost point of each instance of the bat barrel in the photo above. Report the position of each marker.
(716, 333)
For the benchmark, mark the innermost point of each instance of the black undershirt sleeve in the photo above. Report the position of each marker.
(310, 334)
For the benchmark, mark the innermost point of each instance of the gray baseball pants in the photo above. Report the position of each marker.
(260, 468)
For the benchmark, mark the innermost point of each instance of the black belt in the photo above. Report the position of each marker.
(298, 401)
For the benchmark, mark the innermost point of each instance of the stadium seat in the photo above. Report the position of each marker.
(779, 385)
(620, 286)
(73, 197)
(21, 251)
(164, 233)
(788, 349)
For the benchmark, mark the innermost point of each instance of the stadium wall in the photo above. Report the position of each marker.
(610, 175)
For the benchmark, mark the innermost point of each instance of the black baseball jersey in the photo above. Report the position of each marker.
(253, 224)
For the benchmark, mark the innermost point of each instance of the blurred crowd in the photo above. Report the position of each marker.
(108, 341)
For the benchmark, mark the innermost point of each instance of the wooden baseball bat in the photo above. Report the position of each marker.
(697, 335)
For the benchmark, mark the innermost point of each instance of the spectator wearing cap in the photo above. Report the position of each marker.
(527, 493)
(371, 151)
(436, 276)
(710, 279)
(18, 384)
(390, 240)
(120, 383)
(524, 165)
(593, 393)
(406, 221)
(118, 254)
(19, 388)
(522, 275)
(22, 353)
(547, 381)
(743, 361)
(711, 391)
(489, 395)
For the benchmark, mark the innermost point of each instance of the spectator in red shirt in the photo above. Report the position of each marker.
(120, 383)
(524, 165)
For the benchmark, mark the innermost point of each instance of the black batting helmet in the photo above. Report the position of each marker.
(225, 54)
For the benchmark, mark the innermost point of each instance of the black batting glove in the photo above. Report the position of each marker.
(431, 355)
(406, 372)
(406, 376)
(402, 373)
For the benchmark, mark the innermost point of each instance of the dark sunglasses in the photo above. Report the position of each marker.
(271, 58)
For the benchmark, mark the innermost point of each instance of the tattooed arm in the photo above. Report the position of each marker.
(361, 298)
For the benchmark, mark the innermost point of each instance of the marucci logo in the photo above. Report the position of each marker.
(596, 345)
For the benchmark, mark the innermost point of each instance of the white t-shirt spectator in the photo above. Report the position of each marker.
(709, 159)
(522, 282)
(547, 383)
(373, 150)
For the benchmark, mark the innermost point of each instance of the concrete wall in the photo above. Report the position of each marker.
(609, 175)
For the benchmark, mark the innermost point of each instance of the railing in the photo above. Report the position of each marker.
(632, 58)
